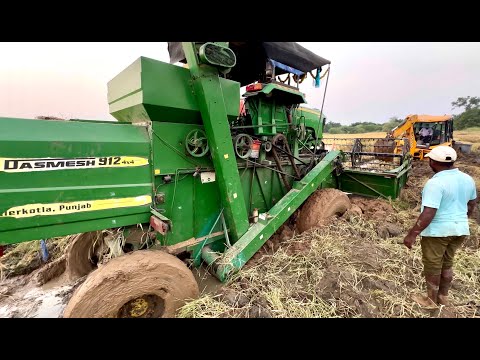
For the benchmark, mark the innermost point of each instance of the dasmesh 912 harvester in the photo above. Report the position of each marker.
(184, 177)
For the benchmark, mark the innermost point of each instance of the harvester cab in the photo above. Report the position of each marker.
(184, 173)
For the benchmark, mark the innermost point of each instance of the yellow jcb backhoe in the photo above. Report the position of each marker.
(424, 133)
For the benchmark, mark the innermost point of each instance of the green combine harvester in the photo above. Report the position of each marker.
(184, 177)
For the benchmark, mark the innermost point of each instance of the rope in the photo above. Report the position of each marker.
(321, 77)
(282, 81)
(299, 79)
(321, 112)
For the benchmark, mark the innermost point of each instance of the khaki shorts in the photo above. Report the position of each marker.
(438, 253)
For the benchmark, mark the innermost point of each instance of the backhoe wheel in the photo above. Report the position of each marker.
(322, 204)
(81, 254)
(141, 284)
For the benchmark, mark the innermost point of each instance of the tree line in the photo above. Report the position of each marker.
(468, 118)
(361, 127)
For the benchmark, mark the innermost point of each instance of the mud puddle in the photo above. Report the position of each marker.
(22, 298)
(31, 301)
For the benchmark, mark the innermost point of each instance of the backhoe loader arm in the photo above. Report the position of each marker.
(404, 129)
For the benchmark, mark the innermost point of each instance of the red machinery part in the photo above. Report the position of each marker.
(159, 225)
(1, 250)
(255, 149)
(242, 107)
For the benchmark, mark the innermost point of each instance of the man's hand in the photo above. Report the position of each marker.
(409, 240)
(423, 221)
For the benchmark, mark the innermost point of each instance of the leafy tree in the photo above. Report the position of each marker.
(467, 119)
(337, 130)
(361, 127)
(391, 123)
(470, 117)
(469, 102)
(329, 125)
(369, 127)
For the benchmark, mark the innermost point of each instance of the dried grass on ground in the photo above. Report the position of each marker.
(348, 269)
(341, 270)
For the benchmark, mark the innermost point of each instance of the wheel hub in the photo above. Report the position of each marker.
(147, 306)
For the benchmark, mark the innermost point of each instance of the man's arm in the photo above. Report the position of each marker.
(422, 222)
(471, 207)
(472, 203)
(431, 199)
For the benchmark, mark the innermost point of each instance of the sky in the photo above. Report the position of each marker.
(368, 81)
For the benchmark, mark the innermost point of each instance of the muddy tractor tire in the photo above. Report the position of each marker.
(320, 206)
(141, 284)
(80, 254)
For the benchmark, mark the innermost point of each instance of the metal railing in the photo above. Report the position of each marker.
(370, 154)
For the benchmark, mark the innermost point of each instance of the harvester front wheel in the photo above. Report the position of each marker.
(81, 254)
(321, 205)
(141, 284)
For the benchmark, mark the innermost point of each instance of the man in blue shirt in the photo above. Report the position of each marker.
(448, 199)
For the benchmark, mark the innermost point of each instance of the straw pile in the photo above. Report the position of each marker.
(341, 270)
(349, 269)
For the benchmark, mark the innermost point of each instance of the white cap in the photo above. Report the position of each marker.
(442, 154)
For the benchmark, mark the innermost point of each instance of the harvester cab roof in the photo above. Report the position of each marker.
(263, 61)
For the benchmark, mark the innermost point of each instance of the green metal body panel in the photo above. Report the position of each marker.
(310, 118)
(169, 153)
(154, 90)
(192, 207)
(71, 227)
(268, 112)
(268, 116)
(34, 194)
(386, 185)
(286, 93)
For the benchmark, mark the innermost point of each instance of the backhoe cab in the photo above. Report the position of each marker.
(441, 133)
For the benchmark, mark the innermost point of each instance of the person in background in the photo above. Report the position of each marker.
(426, 134)
(448, 199)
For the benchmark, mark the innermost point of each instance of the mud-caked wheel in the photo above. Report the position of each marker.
(141, 284)
(321, 205)
(81, 254)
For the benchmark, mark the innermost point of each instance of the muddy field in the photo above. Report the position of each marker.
(352, 266)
